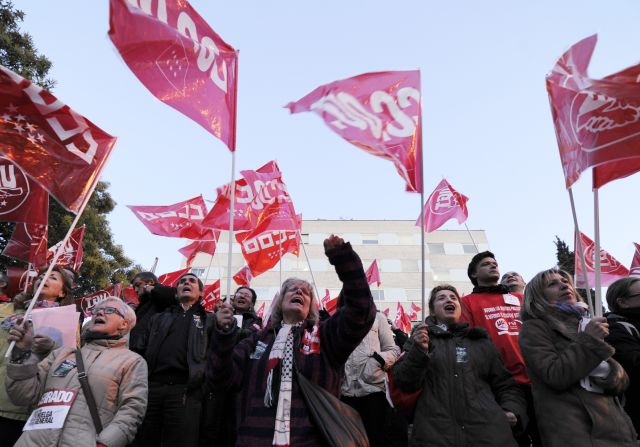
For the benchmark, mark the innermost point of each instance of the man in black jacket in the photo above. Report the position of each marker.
(175, 348)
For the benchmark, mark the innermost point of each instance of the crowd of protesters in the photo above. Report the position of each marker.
(507, 365)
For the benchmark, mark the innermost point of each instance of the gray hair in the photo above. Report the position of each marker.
(124, 308)
(276, 311)
(536, 304)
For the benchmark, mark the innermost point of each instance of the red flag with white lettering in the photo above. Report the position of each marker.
(21, 198)
(191, 250)
(379, 113)
(413, 315)
(72, 254)
(180, 60)
(88, 302)
(54, 145)
(171, 279)
(610, 268)
(331, 306)
(402, 321)
(634, 270)
(211, 296)
(597, 121)
(183, 219)
(29, 244)
(373, 274)
(243, 277)
(20, 279)
(253, 193)
(443, 204)
(325, 299)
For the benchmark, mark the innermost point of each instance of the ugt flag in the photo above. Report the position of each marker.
(443, 204)
(180, 60)
(379, 113)
(597, 121)
(610, 268)
(54, 145)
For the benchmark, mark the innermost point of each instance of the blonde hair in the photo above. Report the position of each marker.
(536, 304)
(276, 312)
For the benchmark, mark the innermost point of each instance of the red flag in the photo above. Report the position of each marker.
(88, 302)
(325, 299)
(402, 322)
(171, 279)
(180, 60)
(386, 312)
(191, 250)
(260, 311)
(634, 270)
(129, 296)
(597, 121)
(183, 219)
(257, 190)
(415, 307)
(443, 204)
(611, 270)
(29, 244)
(373, 274)
(331, 306)
(21, 199)
(243, 277)
(19, 279)
(54, 145)
(378, 112)
(413, 316)
(211, 296)
(263, 248)
(72, 254)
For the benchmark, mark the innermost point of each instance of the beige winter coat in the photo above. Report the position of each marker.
(118, 379)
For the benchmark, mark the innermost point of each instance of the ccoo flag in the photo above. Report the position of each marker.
(180, 60)
(379, 113)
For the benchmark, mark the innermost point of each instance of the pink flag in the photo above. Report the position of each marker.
(243, 277)
(183, 219)
(402, 322)
(386, 312)
(413, 315)
(597, 121)
(611, 270)
(191, 250)
(373, 274)
(29, 244)
(72, 253)
(260, 311)
(21, 198)
(211, 296)
(443, 204)
(378, 112)
(180, 60)
(53, 144)
(634, 270)
(171, 279)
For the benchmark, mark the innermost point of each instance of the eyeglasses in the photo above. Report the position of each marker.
(108, 311)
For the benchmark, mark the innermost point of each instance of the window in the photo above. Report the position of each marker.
(378, 295)
(436, 249)
(305, 238)
(198, 272)
(441, 275)
(410, 265)
(370, 239)
(469, 248)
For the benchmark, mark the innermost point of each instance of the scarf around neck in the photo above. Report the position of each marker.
(498, 288)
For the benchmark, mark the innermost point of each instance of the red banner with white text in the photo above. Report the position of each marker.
(72, 253)
(29, 244)
(183, 219)
(611, 269)
(444, 203)
(21, 198)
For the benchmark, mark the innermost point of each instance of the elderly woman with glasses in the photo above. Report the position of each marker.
(262, 367)
(117, 378)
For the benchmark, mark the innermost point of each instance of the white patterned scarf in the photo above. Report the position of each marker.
(281, 354)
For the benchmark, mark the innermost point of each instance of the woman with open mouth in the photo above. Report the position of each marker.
(575, 382)
(468, 397)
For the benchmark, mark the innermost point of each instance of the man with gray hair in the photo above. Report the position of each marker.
(513, 281)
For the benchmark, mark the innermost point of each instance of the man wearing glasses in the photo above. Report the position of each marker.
(175, 347)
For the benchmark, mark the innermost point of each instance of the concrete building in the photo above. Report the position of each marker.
(394, 243)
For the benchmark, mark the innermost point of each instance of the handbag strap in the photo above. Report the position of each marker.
(86, 389)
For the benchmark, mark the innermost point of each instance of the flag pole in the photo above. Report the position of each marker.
(281, 255)
(596, 224)
(231, 213)
(578, 242)
(27, 282)
(155, 264)
(315, 286)
(56, 255)
(422, 246)
(472, 240)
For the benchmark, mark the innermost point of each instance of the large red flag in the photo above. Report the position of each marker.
(243, 277)
(72, 254)
(88, 302)
(29, 244)
(379, 113)
(253, 193)
(373, 274)
(54, 145)
(211, 296)
(183, 219)
(634, 270)
(170, 279)
(597, 121)
(180, 60)
(611, 270)
(191, 250)
(21, 199)
(443, 204)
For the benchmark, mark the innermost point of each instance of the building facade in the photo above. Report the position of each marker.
(395, 244)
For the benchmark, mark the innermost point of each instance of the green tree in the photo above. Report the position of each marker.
(104, 261)
(566, 261)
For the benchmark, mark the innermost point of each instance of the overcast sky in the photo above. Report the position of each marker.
(487, 123)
